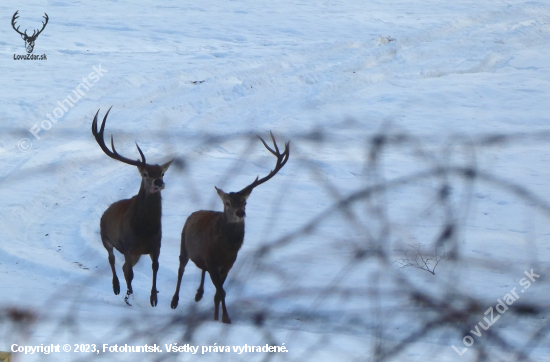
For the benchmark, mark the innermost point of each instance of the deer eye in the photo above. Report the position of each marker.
(145, 174)
(227, 204)
(162, 175)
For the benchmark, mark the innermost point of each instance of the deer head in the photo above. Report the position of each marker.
(234, 204)
(29, 40)
(151, 175)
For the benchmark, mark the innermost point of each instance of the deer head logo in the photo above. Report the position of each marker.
(29, 40)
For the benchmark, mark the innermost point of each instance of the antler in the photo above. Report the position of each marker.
(44, 25)
(34, 33)
(281, 161)
(13, 23)
(113, 154)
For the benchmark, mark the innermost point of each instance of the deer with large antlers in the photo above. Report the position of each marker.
(132, 226)
(212, 239)
(29, 40)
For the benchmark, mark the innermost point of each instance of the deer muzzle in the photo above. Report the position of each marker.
(158, 185)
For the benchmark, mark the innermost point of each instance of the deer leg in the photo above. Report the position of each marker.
(154, 291)
(217, 305)
(200, 291)
(116, 284)
(219, 296)
(129, 276)
(184, 259)
(223, 276)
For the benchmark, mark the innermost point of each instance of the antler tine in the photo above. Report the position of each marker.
(101, 142)
(269, 148)
(141, 153)
(43, 24)
(113, 146)
(15, 17)
(282, 158)
(102, 129)
(94, 123)
(274, 143)
(286, 153)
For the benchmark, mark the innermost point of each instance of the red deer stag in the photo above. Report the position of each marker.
(212, 239)
(132, 226)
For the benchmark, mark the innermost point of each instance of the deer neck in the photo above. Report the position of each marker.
(234, 232)
(147, 211)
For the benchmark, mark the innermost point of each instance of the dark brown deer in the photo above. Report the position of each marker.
(212, 239)
(132, 226)
(29, 40)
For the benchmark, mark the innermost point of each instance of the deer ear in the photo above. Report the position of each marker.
(221, 194)
(165, 166)
(141, 170)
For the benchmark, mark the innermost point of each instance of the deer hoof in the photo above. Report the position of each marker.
(198, 296)
(116, 287)
(174, 303)
(128, 293)
(225, 319)
(153, 299)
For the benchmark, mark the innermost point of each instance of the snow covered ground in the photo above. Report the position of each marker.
(197, 81)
